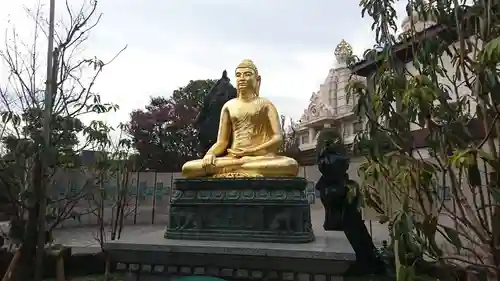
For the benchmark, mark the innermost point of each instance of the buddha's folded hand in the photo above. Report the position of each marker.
(239, 152)
(208, 162)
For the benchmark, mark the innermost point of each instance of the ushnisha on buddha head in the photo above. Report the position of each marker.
(247, 79)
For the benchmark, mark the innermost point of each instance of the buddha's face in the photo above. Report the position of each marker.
(246, 80)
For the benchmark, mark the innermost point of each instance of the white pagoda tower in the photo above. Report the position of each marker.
(329, 106)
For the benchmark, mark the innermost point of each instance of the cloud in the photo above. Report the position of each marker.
(171, 42)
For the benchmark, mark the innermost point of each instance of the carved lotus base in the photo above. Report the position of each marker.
(240, 209)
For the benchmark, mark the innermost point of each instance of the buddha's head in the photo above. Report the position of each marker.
(247, 78)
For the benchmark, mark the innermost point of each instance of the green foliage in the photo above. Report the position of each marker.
(29, 163)
(163, 132)
(330, 138)
(113, 166)
(445, 98)
(290, 145)
(490, 55)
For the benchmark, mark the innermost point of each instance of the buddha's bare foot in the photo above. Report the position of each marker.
(277, 166)
(237, 175)
(197, 168)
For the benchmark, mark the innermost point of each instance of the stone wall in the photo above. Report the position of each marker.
(149, 194)
(149, 205)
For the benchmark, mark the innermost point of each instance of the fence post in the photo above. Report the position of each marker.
(136, 197)
(154, 198)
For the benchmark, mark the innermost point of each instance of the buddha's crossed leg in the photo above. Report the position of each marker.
(245, 166)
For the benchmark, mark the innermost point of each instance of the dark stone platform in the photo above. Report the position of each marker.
(240, 209)
(153, 258)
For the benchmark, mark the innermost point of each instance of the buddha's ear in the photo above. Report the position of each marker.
(257, 87)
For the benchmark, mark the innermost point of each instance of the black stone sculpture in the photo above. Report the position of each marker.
(342, 214)
(332, 187)
(208, 119)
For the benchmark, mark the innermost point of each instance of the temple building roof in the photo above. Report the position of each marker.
(317, 108)
(417, 20)
(329, 102)
(342, 53)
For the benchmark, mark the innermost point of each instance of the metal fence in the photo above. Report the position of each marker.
(147, 201)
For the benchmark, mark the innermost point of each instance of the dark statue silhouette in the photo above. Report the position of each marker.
(342, 214)
(208, 119)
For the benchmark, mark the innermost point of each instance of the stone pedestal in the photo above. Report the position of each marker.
(153, 258)
(240, 209)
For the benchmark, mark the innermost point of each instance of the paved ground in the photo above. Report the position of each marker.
(83, 238)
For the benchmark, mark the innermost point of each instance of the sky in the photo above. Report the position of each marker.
(173, 41)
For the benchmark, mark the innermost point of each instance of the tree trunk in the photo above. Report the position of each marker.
(495, 220)
(60, 274)
(116, 218)
(8, 273)
(122, 218)
(26, 264)
(107, 269)
(496, 242)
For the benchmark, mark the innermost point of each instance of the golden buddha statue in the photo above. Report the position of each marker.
(250, 125)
